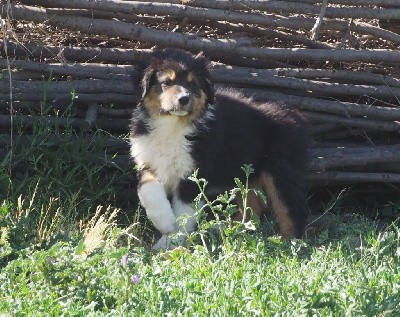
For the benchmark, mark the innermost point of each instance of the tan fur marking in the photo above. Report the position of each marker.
(190, 77)
(280, 209)
(147, 177)
(199, 104)
(254, 202)
(168, 74)
(152, 101)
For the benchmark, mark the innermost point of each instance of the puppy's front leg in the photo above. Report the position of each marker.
(154, 199)
(186, 212)
(185, 215)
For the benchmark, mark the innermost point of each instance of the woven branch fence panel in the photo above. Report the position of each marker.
(339, 63)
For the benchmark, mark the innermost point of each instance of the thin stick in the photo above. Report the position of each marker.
(315, 30)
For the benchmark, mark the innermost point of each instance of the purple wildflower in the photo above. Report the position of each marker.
(51, 260)
(124, 260)
(135, 279)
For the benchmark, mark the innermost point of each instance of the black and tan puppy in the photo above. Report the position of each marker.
(181, 126)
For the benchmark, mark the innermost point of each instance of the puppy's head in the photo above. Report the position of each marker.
(176, 83)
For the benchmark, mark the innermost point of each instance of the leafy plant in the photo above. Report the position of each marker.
(223, 231)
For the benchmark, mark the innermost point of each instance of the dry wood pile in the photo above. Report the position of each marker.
(338, 62)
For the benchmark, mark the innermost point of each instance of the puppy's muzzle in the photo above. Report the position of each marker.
(184, 100)
(183, 104)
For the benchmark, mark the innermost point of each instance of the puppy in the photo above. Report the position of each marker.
(182, 125)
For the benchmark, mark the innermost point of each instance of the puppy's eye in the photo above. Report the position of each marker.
(192, 84)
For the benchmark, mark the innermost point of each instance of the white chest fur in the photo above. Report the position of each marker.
(166, 151)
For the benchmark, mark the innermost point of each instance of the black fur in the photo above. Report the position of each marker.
(268, 136)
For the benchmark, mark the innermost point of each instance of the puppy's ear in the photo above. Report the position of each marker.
(147, 78)
(145, 69)
(208, 88)
(207, 82)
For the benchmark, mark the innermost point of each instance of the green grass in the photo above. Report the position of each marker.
(70, 247)
(263, 276)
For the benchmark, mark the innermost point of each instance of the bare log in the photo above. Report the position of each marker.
(317, 178)
(391, 25)
(73, 86)
(132, 18)
(126, 93)
(155, 8)
(114, 55)
(235, 75)
(111, 71)
(41, 106)
(359, 27)
(137, 32)
(328, 178)
(61, 91)
(381, 3)
(79, 54)
(238, 75)
(262, 5)
(304, 103)
(323, 127)
(98, 71)
(367, 124)
(55, 98)
(265, 32)
(339, 75)
(327, 106)
(357, 156)
(116, 112)
(20, 75)
(345, 133)
(29, 121)
(6, 121)
(109, 143)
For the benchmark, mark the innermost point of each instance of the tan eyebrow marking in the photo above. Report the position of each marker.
(190, 77)
(166, 75)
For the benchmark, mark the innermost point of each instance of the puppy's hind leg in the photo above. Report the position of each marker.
(288, 201)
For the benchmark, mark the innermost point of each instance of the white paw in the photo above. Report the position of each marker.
(169, 242)
(165, 225)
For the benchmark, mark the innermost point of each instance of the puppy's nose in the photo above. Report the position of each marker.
(184, 100)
